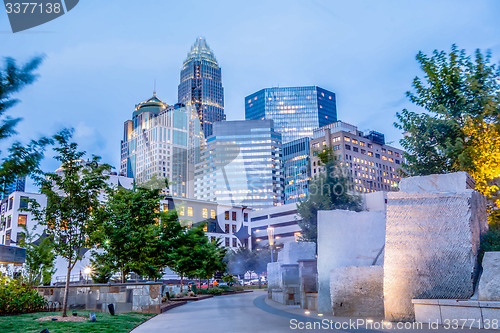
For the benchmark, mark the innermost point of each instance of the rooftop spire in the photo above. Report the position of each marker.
(201, 51)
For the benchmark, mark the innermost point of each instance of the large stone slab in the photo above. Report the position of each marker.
(274, 280)
(292, 252)
(357, 291)
(452, 182)
(347, 238)
(489, 283)
(431, 248)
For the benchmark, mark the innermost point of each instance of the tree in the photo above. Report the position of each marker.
(331, 189)
(213, 254)
(40, 256)
(130, 233)
(22, 160)
(459, 126)
(72, 199)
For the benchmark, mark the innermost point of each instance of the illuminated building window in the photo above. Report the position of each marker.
(21, 220)
(212, 213)
(205, 213)
(226, 215)
(181, 211)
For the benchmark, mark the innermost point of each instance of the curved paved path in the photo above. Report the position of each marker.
(232, 313)
(249, 312)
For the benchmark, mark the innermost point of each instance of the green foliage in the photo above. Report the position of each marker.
(130, 233)
(101, 267)
(72, 199)
(243, 260)
(17, 297)
(331, 189)
(22, 160)
(40, 256)
(459, 128)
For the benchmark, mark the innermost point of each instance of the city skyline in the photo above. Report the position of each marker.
(94, 74)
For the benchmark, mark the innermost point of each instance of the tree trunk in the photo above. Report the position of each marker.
(66, 289)
(182, 282)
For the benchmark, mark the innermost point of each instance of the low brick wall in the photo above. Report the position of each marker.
(126, 297)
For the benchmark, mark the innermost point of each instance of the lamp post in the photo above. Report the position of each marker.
(87, 272)
(270, 235)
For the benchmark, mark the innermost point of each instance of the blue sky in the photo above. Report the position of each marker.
(103, 57)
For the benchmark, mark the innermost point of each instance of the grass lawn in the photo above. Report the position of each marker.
(106, 323)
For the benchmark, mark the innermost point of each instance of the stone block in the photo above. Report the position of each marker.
(137, 292)
(123, 307)
(452, 182)
(308, 274)
(347, 238)
(274, 275)
(357, 291)
(292, 252)
(431, 248)
(290, 275)
(154, 291)
(489, 283)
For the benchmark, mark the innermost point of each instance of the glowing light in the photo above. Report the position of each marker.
(307, 312)
(87, 270)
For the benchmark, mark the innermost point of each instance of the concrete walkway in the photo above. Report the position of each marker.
(253, 312)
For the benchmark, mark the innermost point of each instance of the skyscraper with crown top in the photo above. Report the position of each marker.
(201, 85)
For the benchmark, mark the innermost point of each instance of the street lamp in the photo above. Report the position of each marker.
(87, 271)
(270, 235)
(297, 236)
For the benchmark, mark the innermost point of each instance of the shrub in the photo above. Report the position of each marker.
(215, 291)
(17, 297)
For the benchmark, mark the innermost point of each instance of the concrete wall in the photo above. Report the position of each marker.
(127, 297)
(274, 280)
(357, 291)
(292, 252)
(347, 238)
(432, 243)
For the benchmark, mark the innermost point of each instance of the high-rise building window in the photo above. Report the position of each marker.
(212, 213)
(233, 228)
(181, 210)
(234, 242)
(245, 216)
(205, 213)
(226, 215)
(190, 211)
(226, 228)
(227, 241)
(234, 216)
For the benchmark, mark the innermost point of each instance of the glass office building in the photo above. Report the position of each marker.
(296, 111)
(242, 165)
(201, 85)
(158, 141)
(296, 169)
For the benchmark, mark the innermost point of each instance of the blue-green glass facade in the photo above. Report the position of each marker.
(296, 111)
(201, 85)
(244, 163)
(296, 169)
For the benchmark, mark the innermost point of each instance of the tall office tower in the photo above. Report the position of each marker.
(296, 169)
(296, 111)
(372, 165)
(18, 185)
(242, 165)
(201, 85)
(157, 141)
